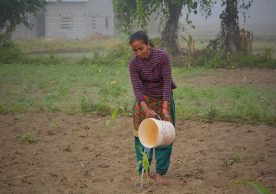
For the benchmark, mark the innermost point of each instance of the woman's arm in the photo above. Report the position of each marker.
(135, 81)
(137, 88)
(167, 77)
(167, 80)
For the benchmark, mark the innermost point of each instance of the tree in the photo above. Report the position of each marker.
(14, 12)
(131, 12)
(231, 37)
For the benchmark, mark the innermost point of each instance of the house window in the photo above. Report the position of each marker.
(94, 22)
(66, 22)
(106, 22)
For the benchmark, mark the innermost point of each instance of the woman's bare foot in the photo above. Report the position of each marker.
(159, 178)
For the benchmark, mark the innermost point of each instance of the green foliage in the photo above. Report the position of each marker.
(209, 58)
(137, 166)
(44, 60)
(54, 83)
(138, 13)
(9, 51)
(13, 13)
(96, 108)
(128, 12)
(229, 39)
(114, 114)
(112, 90)
(119, 54)
(156, 42)
(145, 165)
(2, 110)
(83, 60)
(215, 59)
(232, 103)
(258, 186)
(131, 12)
(263, 59)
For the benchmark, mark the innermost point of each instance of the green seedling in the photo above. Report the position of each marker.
(114, 114)
(145, 166)
(258, 186)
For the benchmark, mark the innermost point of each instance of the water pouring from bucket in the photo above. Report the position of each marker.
(153, 133)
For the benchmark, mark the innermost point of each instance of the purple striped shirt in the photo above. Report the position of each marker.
(152, 76)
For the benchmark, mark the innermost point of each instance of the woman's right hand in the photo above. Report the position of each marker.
(149, 112)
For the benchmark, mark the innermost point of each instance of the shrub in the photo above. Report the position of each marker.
(209, 58)
(119, 54)
(43, 60)
(215, 59)
(9, 52)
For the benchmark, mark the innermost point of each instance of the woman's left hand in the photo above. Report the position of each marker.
(165, 111)
(166, 115)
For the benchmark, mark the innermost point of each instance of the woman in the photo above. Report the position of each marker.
(150, 72)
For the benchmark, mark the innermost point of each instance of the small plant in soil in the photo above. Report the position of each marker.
(145, 167)
(258, 186)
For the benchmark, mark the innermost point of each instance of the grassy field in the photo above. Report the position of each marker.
(76, 99)
(63, 87)
(91, 76)
(103, 90)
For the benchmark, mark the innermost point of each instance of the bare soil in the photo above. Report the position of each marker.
(59, 153)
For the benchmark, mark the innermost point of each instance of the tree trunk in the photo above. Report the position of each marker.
(170, 32)
(230, 28)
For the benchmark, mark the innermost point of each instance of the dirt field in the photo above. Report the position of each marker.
(78, 154)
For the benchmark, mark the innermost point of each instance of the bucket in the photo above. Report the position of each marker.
(153, 133)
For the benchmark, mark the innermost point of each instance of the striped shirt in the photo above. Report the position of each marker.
(152, 76)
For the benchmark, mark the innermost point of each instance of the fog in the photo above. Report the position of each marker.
(261, 17)
(79, 20)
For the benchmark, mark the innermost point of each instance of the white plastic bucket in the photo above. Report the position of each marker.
(153, 133)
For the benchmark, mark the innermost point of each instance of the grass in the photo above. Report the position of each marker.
(64, 87)
(98, 83)
(106, 90)
(54, 46)
(228, 103)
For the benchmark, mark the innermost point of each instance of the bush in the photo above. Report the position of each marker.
(216, 59)
(43, 60)
(156, 42)
(120, 54)
(209, 58)
(9, 52)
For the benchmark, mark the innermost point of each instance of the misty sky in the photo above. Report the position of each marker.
(261, 12)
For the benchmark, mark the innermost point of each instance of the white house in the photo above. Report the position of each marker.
(71, 19)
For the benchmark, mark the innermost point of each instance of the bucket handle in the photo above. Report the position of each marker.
(157, 117)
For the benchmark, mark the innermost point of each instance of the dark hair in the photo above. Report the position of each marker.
(140, 35)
